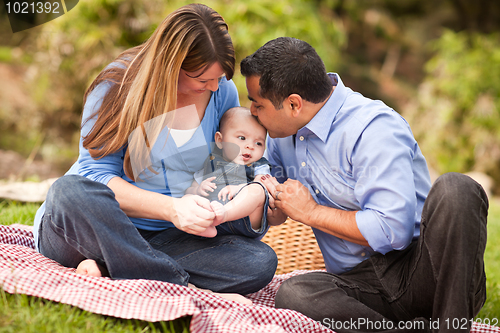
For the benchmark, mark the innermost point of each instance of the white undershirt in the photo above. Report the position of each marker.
(182, 136)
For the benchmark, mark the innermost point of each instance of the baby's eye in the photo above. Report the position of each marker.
(241, 137)
(259, 143)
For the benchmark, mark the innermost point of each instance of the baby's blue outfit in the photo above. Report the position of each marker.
(230, 173)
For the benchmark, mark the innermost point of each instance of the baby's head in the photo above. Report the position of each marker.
(240, 136)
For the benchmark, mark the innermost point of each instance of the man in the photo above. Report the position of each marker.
(398, 254)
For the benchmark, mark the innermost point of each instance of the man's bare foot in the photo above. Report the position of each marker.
(230, 297)
(220, 212)
(89, 267)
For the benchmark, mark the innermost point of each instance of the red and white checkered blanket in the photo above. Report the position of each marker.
(23, 270)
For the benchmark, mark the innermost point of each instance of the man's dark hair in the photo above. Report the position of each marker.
(288, 66)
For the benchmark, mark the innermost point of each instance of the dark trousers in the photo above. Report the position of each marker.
(437, 284)
(83, 220)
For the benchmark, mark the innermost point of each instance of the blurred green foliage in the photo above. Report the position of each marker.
(456, 115)
(5, 54)
(253, 23)
(68, 53)
(76, 48)
(379, 47)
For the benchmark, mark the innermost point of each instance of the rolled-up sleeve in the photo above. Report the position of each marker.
(103, 169)
(385, 187)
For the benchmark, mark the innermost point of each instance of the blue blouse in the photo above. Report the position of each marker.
(171, 167)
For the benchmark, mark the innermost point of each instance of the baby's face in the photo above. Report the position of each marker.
(243, 142)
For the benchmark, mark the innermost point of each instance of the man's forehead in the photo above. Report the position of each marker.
(253, 87)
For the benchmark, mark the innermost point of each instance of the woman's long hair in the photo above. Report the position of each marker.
(145, 78)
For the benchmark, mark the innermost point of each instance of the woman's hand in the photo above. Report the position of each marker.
(275, 215)
(270, 183)
(193, 214)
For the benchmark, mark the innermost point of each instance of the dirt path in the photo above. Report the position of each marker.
(13, 167)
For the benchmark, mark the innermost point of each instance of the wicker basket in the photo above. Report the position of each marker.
(296, 247)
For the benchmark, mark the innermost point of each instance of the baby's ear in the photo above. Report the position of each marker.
(218, 139)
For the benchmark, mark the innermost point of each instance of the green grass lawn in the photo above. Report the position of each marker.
(21, 313)
(491, 309)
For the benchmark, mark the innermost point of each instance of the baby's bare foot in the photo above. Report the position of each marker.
(89, 267)
(235, 298)
(209, 232)
(220, 212)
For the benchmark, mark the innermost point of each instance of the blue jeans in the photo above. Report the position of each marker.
(436, 284)
(83, 220)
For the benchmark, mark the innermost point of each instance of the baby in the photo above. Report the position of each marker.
(231, 174)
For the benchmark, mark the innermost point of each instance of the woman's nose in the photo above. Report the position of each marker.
(213, 85)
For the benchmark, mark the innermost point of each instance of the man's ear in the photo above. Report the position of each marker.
(296, 103)
(218, 139)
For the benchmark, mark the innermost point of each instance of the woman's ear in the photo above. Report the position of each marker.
(218, 139)
(296, 103)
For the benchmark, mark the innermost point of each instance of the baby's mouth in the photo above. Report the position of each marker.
(246, 156)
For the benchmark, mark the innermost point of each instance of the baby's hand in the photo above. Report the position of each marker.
(220, 212)
(206, 186)
(228, 192)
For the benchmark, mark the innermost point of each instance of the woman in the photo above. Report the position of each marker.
(141, 225)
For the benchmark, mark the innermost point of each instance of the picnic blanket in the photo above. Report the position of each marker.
(23, 270)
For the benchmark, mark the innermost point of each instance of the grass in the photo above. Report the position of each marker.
(491, 309)
(21, 313)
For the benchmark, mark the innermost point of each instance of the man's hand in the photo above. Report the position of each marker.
(294, 199)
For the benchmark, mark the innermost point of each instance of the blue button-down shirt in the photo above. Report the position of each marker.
(357, 154)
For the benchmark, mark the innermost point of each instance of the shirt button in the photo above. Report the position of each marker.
(301, 138)
(303, 164)
(317, 191)
(363, 254)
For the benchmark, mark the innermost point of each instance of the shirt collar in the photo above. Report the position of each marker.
(321, 123)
